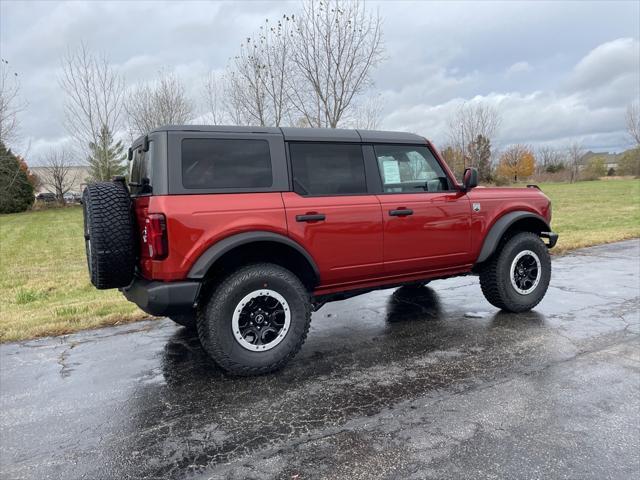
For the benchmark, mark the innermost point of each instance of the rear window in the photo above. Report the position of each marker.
(327, 169)
(225, 163)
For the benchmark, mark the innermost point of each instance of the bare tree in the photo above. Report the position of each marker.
(575, 152)
(470, 121)
(95, 94)
(549, 158)
(633, 122)
(164, 102)
(256, 82)
(368, 113)
(214, 98)
(10, 106)
(246, 85)
(334, 48)
(58, 175)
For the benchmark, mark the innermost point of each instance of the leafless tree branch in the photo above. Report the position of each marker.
(95, 93)
(335, 46)
(10, 106)
(164, 102)
(58, 175)
(575, 152)
(633, 122)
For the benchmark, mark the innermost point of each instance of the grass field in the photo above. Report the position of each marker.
(44, 284)
(45, 290)
(591, 213)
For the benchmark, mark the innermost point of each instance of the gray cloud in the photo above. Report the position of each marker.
(558, 71)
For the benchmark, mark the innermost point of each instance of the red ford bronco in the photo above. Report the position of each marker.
(242, 232)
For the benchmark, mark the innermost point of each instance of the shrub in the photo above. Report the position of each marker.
(629, 164)
(501, 181)
(16, 191)
(594, 169)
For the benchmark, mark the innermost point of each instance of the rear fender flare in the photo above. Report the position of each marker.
(217, 250)
(492, 239)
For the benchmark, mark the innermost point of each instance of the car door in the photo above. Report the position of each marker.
(427, 223)
(331, 213)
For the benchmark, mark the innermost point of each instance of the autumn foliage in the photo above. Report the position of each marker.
(516, 163)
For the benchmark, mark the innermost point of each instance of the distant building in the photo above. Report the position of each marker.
(78, 173)
(610, 159)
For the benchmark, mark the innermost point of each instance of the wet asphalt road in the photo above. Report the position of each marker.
(428, 384)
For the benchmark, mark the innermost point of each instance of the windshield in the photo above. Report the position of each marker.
(140, 171)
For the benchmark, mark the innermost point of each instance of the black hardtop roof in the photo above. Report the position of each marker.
(306, 134)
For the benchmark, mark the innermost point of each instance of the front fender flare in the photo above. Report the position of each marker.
(498, 229)
(218, 249)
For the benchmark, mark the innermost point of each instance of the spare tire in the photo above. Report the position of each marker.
(109, 234)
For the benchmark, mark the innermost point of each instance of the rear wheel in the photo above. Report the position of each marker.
(516, 278)
(256, 320)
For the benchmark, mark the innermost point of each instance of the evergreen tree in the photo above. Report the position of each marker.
(106, 158)
(16, 191)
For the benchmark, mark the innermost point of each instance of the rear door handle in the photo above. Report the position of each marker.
(310, 217)
(401, 212)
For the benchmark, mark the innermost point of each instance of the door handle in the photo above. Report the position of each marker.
(310, 217)
(401, 212)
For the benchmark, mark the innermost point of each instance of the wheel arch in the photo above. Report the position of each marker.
(248, 247)
(521, 221)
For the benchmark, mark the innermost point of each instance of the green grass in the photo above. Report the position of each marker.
(44, 284)
(591, 213)
(45, 289)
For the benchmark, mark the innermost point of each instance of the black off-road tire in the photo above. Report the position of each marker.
(187, 320)
(109, 234)
(495, 277)
(215, 319)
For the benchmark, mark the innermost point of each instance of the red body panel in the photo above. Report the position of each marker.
(496, 202)
(195, 222)
(347, 245)
(437, 234)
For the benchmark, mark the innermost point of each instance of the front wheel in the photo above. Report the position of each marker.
(256, 320)
(517, 277)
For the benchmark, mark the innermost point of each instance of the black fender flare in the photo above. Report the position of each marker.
(501, 226)
(200, 268)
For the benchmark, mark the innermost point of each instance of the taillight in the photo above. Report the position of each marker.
(155, 235)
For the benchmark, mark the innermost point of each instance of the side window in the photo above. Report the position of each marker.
(410, 169)
(327, 169)
(226, 163)
(140, 171)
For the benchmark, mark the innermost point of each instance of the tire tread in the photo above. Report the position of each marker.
(233, 281)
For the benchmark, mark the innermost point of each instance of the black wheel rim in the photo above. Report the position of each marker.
(261, 320)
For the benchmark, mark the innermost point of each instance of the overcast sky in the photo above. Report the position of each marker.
(558, 72)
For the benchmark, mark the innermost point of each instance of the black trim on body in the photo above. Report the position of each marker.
(214, 252)
(162, 298)
(498, 229)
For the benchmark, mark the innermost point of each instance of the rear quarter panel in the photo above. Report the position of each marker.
(496, 202)
(195, 222)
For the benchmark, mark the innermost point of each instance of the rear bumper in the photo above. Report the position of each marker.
(552, 237)
(162, 298)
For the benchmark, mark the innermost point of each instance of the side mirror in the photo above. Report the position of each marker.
(145, 144)
(470, 179)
